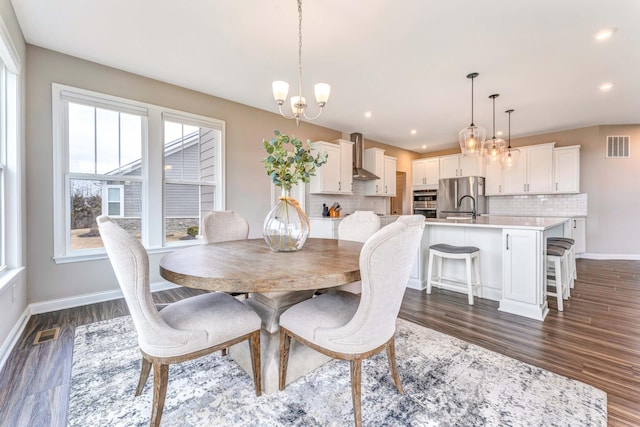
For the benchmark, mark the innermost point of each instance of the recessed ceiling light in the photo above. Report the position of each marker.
(606, 86)
(499, 133)
(604, 34)
(413, 131)
(368, 114)
(424, 147)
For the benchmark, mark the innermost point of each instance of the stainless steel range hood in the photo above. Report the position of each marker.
(359, 173)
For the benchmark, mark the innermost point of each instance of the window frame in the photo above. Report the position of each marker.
(152, 164)
(11, 203)
(106, 201)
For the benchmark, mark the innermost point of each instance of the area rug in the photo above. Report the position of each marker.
(447, 382)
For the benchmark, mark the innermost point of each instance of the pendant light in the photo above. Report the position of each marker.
(298, 103)
(493, 147)
(510, 155)
(472, 137)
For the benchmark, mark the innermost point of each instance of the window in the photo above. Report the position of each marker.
(11, 203)
(105, 146)
(190, 176)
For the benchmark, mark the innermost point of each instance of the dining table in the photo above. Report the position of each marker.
(274, 281)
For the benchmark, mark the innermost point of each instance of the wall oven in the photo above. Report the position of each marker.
(425, 202)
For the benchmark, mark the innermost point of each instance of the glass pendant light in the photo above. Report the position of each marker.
(472, 137)
(510, 155)
(493, 147)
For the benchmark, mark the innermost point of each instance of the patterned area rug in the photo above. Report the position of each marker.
(447, 382)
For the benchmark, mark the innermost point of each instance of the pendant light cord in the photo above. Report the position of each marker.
(472, 101)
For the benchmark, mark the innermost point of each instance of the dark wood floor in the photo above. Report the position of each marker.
(595, 340)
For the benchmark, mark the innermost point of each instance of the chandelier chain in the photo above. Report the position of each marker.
(300, 48)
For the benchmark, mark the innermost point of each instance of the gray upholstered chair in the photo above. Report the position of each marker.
(358, 226)
(184, 330)
(351, 327)
(222, 226)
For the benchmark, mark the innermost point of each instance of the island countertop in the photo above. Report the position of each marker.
(489, 221)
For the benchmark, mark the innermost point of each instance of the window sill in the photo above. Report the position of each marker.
(102, 255)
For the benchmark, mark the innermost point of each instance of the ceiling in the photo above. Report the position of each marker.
(405, 61)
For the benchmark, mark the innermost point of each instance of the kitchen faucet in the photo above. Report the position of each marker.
(474, 213)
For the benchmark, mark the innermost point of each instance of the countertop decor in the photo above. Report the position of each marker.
(286, 227)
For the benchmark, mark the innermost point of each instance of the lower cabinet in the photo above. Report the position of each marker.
(521, 270)
(324, 228)
(579, 233)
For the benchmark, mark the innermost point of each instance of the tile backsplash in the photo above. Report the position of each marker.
(357, 202)
(539, 205)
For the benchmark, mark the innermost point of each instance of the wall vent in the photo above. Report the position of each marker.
(618, 147)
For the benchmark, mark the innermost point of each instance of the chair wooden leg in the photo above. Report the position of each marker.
(356, 390)
(144, 375)
(391, 355)
(160, 380)
(223, 352)
(254, 344)
(285, 343)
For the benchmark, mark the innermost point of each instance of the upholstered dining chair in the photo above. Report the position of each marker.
(351, 327)
(184, 330)
(358, 226)
(223, 226)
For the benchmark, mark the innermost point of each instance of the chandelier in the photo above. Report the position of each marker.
(298, 103)
(510, 155)
(493, 147)
(472, 137)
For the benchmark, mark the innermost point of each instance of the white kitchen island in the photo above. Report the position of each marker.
(512, 258)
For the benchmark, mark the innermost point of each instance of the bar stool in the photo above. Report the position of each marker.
(555, 255)
(567, 271)
(470, 254)
(572, 255)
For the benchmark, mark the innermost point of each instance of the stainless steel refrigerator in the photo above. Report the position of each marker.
(452, 192)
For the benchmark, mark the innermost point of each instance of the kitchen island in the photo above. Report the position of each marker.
(512, 258)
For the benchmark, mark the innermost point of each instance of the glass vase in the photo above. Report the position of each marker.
(286, 227)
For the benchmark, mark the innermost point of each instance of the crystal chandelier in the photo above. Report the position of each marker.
(472, 137)
(493, 147)
(298, 103)
(510, 155)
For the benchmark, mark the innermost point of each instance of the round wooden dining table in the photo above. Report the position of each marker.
(275, 281)
(250, 266)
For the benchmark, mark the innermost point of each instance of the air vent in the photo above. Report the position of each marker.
(618, 147)
(46, 335)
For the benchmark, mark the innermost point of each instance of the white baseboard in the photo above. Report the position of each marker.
(12, 339)
(629, 257)
(76, 301)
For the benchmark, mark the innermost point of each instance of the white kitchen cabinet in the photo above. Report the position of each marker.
(493, 179)
(389, 176)
(324, 228)
(566, 169)
(458, 165)
(521, 268)
(533, 173)
(335, 176)
(383, 166)
(425, 173)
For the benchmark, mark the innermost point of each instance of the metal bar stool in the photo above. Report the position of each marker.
(470, 254)
(555, 254)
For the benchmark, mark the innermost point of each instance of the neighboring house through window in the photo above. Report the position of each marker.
(105, 145)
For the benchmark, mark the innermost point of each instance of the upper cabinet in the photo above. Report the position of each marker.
(458, 165)
(425, 173)
(335, 176)
(534, 172)
(493, 179)
(385, 167)
(566, 169)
